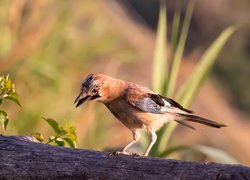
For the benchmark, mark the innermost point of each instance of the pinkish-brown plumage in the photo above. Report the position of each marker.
(137, 107)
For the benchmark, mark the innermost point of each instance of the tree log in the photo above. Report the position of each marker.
(22, 158)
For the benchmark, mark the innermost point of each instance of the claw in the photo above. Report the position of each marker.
(135, 154)
(125, 153)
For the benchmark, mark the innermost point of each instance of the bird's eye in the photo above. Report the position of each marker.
(94, 91)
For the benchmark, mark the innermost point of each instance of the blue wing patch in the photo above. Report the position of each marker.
(148, 105)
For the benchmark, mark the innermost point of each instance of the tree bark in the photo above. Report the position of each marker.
(20, 158)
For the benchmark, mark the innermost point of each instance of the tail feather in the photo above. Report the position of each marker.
(201, 120)
(185, 124)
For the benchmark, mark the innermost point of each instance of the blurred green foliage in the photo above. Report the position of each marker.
(232, 71)
(48, 47)
(62, 134)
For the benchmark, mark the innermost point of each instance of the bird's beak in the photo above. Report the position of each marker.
(81, 98)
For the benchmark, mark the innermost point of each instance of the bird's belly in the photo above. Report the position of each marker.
(134, 119)
(153, 121)
(126, 116)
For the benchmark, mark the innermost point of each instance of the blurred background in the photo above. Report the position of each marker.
(48, 47)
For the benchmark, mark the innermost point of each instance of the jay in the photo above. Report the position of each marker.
(136, 107)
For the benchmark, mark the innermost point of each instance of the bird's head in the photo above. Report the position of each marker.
(95, 87)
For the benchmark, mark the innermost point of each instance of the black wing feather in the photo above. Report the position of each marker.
(176, 104)
(157, 99)
(154, 103)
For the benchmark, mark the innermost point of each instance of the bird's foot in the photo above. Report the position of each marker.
(135, 154)
(119, 153)
(125, 153)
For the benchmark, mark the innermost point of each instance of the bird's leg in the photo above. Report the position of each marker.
(136, 137)
(153, 138)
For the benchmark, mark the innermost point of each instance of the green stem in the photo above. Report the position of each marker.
(57, 136)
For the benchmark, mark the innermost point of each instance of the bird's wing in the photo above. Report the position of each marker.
(147, 101)
(147, 105)
(174, 104)
(154, 103)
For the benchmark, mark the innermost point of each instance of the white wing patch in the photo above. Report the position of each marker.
(166, 103)
(169, 108)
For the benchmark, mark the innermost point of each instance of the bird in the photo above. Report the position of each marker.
(137, 107)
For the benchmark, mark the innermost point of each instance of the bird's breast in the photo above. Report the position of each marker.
(125, 113)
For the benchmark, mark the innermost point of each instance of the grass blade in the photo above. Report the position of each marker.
(175, 29)
(160, 56)
(174, 149)
(174, 40)
(179, 50)
(191, 86)
(216, 154)
(165, 132)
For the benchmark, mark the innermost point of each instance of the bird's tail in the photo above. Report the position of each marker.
(198, 119)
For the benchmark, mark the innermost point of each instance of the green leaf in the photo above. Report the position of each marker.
(62, 131)
(4, 120)
(160, 57)
(59, 142)
(72, 136)
(56, 127)
(216, 154)
(174, 70)
(51, 138)
(196, 79)
(72, 130)
(71, 142)
(8, 90)
(38, 136)
(12, 97)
